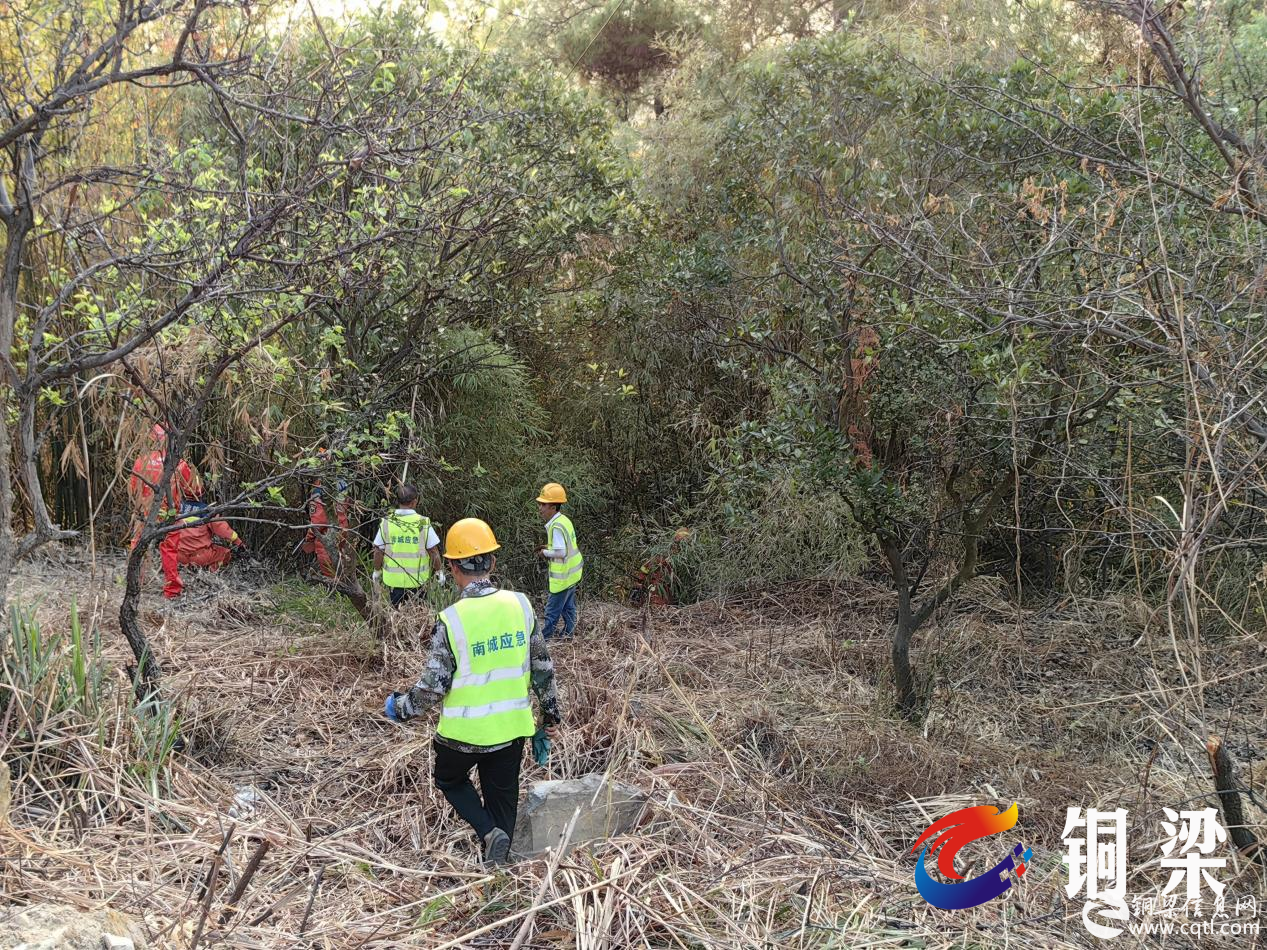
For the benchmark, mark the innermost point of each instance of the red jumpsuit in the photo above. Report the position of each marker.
(319, 525)
(146, 472)
(653, 579)
(195, 546)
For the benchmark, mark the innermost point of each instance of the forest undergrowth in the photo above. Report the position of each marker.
(786, 794)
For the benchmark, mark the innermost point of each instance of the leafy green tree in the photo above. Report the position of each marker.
(626, 46)
(61, 61)
(912, 266)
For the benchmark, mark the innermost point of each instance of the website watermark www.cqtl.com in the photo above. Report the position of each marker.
(1194, 928)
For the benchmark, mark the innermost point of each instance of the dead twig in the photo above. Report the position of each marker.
(209, 887)
(251, 867)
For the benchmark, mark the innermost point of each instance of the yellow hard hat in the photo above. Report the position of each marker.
(467, 538)
(553, 494)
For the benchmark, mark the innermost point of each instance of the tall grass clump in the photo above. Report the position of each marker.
(72, 735)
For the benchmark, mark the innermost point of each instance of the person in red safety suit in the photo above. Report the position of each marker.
(147, 471)
(202, 544)
(319, 523)
(654, 578)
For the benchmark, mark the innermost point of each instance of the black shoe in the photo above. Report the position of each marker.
(496, 847)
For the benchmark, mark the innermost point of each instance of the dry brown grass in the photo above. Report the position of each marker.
(785, 794)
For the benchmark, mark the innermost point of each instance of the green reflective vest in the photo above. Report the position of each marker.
(405, 560)
(567, 572)
(488, 703)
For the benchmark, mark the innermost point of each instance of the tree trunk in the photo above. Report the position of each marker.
(911, 618)
(43, 529)
(148, 671)
(904, 628)
(1230, 800)
(6, 520)
(903, 675)
(18, 219)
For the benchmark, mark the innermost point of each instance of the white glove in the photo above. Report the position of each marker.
(377, 576)
(442, 578)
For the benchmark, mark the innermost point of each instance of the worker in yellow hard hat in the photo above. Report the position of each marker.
(563, 556)
(486, 651)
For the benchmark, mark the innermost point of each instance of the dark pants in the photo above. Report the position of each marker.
(499, 781)
(561, 605)
(399, 595)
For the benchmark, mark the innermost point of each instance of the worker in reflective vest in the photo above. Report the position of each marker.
(486, 653)
(564, 558)
(406, 549)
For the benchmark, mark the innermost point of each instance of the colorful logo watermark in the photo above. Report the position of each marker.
(946, 836)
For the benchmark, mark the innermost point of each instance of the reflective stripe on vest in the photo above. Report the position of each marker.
(490, 637)
(405, 559)
(567, 572)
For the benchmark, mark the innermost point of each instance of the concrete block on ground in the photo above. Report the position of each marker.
(56, 927)
(607, 808)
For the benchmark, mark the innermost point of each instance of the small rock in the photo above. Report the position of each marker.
(607, 808)
(112, 942)
(245, 798)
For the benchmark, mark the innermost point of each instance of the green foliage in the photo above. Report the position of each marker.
(313, 605)
(60, 673)
(895, 266)
(493, 449)
(852, 287)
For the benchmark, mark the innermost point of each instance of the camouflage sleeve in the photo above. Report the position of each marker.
(436, 678)
(543, 678)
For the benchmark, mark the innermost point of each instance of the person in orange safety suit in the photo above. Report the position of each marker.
(654, 578)
(204, 543)
(319, 522)
(147, 471)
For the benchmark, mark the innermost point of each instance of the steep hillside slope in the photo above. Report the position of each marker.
(786, 798)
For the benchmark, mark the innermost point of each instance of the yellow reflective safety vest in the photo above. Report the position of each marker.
(405, 560)
(567, 572)
(490, 636)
